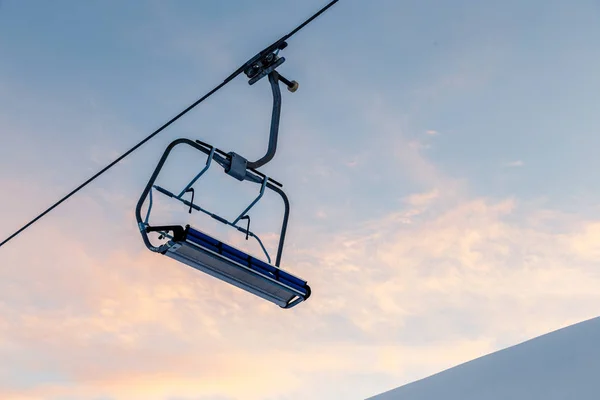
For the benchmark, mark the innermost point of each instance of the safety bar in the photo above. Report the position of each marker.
(214, 216)
(251, 175)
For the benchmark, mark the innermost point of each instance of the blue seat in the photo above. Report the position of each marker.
(207, 254)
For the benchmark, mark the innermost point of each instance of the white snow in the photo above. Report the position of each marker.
(564, 364)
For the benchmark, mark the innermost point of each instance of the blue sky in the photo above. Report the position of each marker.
(440, 159)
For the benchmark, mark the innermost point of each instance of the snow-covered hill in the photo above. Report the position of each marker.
(564, 364)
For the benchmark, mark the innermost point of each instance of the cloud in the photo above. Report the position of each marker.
(586, 243)
(466, 265)
(422, 199)
(464, 276)
(517, 163)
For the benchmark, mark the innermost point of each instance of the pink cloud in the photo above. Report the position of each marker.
(144, 318)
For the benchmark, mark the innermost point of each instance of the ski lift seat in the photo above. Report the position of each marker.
(209, 255)
(213, 257)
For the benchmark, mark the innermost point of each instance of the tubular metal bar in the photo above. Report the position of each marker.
(274, 81)
(149, 208)
(262, 191)
(262, 246)
(206, 167)
(253, 176)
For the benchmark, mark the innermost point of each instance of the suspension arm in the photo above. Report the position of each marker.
(274, 132)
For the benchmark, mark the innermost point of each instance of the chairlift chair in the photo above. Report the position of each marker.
(198, 249)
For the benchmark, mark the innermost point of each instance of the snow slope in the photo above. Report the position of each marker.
(564, 364)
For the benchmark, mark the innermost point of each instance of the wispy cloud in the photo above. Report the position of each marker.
(512, 164)
(412, 297)
(422, 199)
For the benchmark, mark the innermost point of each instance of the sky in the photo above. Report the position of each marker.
(440, 159)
